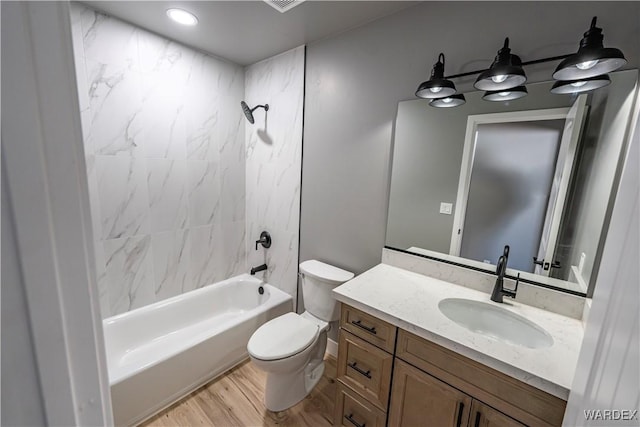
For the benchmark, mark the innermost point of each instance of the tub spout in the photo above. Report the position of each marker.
(262, 267)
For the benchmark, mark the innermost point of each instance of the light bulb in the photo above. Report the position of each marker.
(499, 78)
(587, 64)
(578, 84)
(447, 100)
(182, 17)
(504, 93)
(435, 89)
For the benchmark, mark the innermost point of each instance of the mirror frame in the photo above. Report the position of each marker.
(445, 258)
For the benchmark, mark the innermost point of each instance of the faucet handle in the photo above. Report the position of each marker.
(512, 293)
(501, 265)
(265, 240)
(506, 251)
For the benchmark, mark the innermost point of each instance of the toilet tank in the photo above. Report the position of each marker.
(318, 279)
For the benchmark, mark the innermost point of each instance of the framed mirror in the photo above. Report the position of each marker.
(537, 173)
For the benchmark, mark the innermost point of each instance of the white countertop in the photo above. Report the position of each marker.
(410, 301)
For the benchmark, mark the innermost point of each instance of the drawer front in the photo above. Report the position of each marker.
(521, 401)
(365, 368)
(369, 328)
(353, 411)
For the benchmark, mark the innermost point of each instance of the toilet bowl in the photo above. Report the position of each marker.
(291, 347)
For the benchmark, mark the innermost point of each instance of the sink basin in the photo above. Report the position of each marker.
(496, 322)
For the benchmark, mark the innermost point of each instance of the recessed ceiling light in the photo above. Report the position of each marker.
(182, 17)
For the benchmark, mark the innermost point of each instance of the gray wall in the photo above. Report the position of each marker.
(355, 80)
(427, 154)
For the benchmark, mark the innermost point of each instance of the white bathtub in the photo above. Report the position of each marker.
(159, 353)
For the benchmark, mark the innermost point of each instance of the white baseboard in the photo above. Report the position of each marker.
(332, 348)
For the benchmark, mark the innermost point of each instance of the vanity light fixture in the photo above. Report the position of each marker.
(579, 72)
(448, 101)
(592, 58)
(183, 17)
(437, 86)
(578, 86)
(505, 73)
(506, 94)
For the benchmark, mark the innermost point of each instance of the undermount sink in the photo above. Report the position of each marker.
(496, 322)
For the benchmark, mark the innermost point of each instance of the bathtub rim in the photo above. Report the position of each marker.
(277, 296)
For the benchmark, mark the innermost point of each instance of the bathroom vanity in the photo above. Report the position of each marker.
(403, 362)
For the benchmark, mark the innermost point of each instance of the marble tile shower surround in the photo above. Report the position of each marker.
(165, 152)
(274, 164)
(535, 296)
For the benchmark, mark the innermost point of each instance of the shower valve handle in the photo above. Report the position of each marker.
(265, 240)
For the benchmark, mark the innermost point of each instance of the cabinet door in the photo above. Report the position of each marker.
(485, 416)
(418, 399)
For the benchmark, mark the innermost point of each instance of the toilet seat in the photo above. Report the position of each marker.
(283, 337)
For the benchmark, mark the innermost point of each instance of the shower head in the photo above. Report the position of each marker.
(248, 112)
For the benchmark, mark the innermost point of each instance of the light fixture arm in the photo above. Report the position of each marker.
(593, 36)
(437, 72)
(535, 61)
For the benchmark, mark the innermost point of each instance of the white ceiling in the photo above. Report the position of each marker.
(245, 31)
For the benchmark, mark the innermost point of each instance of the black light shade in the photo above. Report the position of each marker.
(448, 101)
(506, 95)
(437, 86)
(579, 86)
(592, 58)
(505, 73)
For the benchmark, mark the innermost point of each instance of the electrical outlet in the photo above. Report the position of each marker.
(446, 208)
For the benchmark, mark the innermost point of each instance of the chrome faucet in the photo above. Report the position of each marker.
(259, 268)
(498, 289)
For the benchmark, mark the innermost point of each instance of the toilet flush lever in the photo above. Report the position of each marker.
(265, 240)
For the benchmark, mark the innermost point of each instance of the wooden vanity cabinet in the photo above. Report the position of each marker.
(388, 375)
(518, 400)
(419, 399)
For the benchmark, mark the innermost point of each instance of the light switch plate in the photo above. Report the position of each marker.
(446, 208)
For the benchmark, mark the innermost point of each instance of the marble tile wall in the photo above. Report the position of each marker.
(164, 140)
(274, 164)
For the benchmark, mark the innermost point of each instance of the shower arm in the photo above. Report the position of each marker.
(266, 107)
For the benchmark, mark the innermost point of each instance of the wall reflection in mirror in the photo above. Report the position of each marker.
(537, 173)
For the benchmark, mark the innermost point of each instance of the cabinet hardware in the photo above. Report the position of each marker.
(370, 329)
(460, 410)
(354, 366)
(478, 416)
(352, 421)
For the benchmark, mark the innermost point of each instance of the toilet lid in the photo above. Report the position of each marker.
(282, 337)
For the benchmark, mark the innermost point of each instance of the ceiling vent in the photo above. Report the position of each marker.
(283, 5)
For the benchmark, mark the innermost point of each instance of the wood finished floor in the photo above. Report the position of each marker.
(236, 399)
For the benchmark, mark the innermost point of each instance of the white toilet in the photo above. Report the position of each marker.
(290, 348)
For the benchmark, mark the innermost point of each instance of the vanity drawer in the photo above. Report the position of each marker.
(365, 368)
(521, 401)
(352, 410)
(376, 331)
